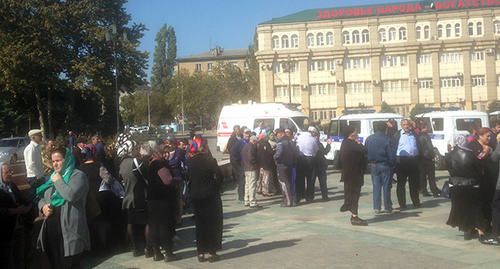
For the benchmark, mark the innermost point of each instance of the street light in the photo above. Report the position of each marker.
(111, 36)
(288, 66)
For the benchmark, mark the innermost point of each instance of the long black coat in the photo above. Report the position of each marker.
(353, 156)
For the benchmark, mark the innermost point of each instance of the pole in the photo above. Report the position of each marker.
(117, 92)
(182, 108)
(149, 113)
(289, 80)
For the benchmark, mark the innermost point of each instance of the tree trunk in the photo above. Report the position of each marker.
(39, 106)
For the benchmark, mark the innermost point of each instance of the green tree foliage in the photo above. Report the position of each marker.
(54, 54)
(493, 106)
(252, 75)
(135, 108)
(418, 109)
(385, 108)
(164, 59)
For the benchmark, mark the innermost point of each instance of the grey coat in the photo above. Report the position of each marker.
(73, 219)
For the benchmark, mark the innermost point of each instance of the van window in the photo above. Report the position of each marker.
(438, 124)
(374, 123)
(463, 124)
(268, 123)
(288, 123)
(335, 129)
(429, 124)
(302, 122)
(356, 124)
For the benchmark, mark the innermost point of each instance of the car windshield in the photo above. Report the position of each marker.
(8, 143)
(302, 122)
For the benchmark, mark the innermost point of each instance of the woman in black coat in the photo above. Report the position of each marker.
(206, 182)
(353, 158)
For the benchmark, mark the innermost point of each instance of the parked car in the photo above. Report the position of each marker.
(12, 149)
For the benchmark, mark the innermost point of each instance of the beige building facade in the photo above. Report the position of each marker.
(440, 54)
(207, 61)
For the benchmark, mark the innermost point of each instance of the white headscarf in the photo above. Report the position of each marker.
(6, 186)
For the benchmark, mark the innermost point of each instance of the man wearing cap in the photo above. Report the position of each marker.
(33, 161)
(251, 166)
(305, 166)
(285, 159)
(237, 160)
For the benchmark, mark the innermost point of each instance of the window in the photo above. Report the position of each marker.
(366, 36)
(438, 124)
(464, 124)
(479, 27)
(331, 65)
(312, 66)
(315, 115)
(424, 59)
(418, 32)
(448, 30)
(425, 83)
(392, 34)
(277, 67)
(477, 55)
(276, 42)
(356, 63)
(295, 41)
(321, 90)
(427, 32)
(234, 64)
(285, 42)
(355, 37)
(368, 87)
(347, 63)
(496, 27)
(320, 39)
(324, 114)
(321, 65)
(198, 67)
(471, 28)
(296, 91)
(331, 89)
(310, 40)
(333, 114)
(210, 66)
(452, 82)
(314, 90)
(457, 29)
(367, 62)
(478, 80)
(451, 57)
(403, 60)
(402, 33)
(278, 92)
(440, 30)
(295, 66)
(382, 35)
(391, 60)
(329, 38)
(346, 37)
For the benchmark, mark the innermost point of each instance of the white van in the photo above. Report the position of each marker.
(365, 123)
(445, 125)
(274, 116)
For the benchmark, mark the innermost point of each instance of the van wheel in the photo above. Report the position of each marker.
(438, 160)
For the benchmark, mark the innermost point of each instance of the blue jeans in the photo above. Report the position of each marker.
(382, 179)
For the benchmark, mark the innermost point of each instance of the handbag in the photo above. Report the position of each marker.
(445, 191)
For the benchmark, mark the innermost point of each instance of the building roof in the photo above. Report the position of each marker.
(412, 7)
(216, 55)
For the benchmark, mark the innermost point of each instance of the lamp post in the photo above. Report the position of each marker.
(288, 66)
(111, 36)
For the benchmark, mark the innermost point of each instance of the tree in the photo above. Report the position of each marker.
(252, 74)
(493, 106)
(385, 108)
(418, 109)
(164, 59)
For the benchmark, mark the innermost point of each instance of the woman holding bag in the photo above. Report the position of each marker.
(64, 234)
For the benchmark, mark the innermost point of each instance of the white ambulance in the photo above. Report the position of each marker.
(364, 122)
(445, 125)
(274, 116)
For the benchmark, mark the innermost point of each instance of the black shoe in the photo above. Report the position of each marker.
(137, 252)
(438, 194)
(358, 222)
(201, 258)
(325, 199)
(426, 194)
(158, 257)
(149, 253)
(468, 235)
(213, 258)
(488, 241)
(417, 206)
(172, 257)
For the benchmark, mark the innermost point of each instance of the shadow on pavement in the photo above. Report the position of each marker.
(264, 247)
(393, 216)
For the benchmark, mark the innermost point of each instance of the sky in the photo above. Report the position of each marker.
(201, 25)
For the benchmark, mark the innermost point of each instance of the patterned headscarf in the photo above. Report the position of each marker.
(196, 146)
(462, 142)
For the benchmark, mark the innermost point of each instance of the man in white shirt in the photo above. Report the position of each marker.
(308, 147)
(33, 161)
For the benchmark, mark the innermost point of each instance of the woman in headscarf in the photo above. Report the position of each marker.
(162, 202)
(64, 234)
(177, 162)
(206, 185)
(465, 173)
(12, 206)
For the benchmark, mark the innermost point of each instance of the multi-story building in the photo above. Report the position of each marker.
(207, 61)
(440, 54)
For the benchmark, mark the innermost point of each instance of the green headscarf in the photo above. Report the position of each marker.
(68, 167)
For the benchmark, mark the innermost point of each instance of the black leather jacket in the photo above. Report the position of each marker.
(464, 167)
(426, 146)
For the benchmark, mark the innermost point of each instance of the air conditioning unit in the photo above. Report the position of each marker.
(339, 81)
(339, 62)
(489, 51)
(388, 58)
(460, 74)
(415, 80)
(376, 82)
(332, 72)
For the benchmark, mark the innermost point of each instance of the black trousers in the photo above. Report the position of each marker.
(352, 191)
(495, 212)
(407, 168)
(305, 169)
(285, 181)
(209, 223)
(428, 173)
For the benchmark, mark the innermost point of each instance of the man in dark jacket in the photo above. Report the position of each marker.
(427, 168)
(320, 165)
(236, 160)
(285, 159)
(251, 166)
(265, 156)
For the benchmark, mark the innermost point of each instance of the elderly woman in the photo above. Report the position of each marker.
(162, 202)
(64, 234)
(465, 173)
(206, 182)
